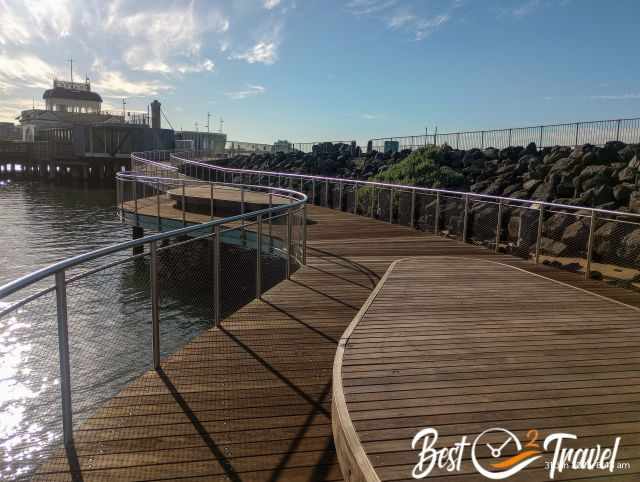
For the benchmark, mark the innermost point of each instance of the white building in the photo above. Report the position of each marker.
(73, 97)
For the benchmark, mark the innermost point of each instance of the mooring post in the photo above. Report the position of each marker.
(499, 226)
(539, 232)
(217, 309)
(155, 305)
(592, 230)
(259, 258)
(65, 362)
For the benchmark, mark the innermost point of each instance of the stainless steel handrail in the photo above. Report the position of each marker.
(405, 187)
(295, 204)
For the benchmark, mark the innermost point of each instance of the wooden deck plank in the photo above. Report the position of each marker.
(251, 400)
(479, 344)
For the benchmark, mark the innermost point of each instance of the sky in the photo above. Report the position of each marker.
(313, 70)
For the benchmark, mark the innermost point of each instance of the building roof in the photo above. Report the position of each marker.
(62, 93)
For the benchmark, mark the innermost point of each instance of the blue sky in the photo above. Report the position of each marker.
(308, 70)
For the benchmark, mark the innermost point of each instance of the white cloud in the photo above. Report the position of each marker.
(22, 21)
(262, 52)
(425, 27)
(400, 19)
(251, 91)
(271, 4)
(115, 84)
(617, 97)
(367, 7)
(372, 116)
(24, 71)
(526, 8)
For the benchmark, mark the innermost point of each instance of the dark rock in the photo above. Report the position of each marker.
(556, 224)
(628, 174)
(629, 249)
(556, 154)
(634, 202)
(622, 192)
(511, 189)
(552, 247)
(480, 186)
(602, 195)
(576, 235)
(531, 148)
(531, 185)
(491, 153)
(544, 192)
(634, 163)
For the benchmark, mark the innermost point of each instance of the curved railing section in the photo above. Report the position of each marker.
(598, 243)
(118, 310)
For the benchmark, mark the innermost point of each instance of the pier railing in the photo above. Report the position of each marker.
(598, 243)
(90, 337)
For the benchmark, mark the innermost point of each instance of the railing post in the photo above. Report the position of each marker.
(577, 127)
(509, 144)
(592, 230)
(270, 222)
(242, 210)
(457, 140)
(65, 364)
(155, 305)
(184, 213)
(326, 193)
(158, 206)
(391, 194)
(465, 221)
(211, 200)
(618, 131)
(412, 220)
(288, 243)
(539, 234)
(482, 140)
(373, 202)
(259, 258)
(304, 234)
(217, 309)
(499, 226)
(355, 198)
(436, 226)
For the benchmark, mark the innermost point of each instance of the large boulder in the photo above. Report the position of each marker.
(634, 202)
(556, 224)
(556, 154)
(544, 192)
(592, 176)
(628, 174)
(622, 192)
(551, 247)
(629, 250)
(531, 185)
(576, 235)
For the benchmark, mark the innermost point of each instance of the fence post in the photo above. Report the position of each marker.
(482, 140)
(65, 365)
(592, 230)
(259, 258)
(618, 131)
(412, 220)
(498, 226)
(466, 218)
(155, 305)
(577, 127)
(184, 214)
(539, 235)
(391, 194)
(457, 140)
(436, 228)
(540, 145)
(217, 309)
(509, 144)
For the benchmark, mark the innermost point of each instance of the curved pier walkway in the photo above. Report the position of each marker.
(478, 344)
(251, 400)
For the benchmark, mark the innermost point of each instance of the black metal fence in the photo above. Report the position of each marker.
(574, 134)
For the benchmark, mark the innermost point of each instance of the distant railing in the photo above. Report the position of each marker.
(205, 263)
(598, 243)
(573, 134)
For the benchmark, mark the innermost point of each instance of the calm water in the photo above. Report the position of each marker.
(109, 317)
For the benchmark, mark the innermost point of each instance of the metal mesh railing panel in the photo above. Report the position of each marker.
(616, 251)
(31, 425)
(482, 223)
(402, 208)
(426, 206)
(238, 260)
(520, 230)
(452, 216)
(565, 239)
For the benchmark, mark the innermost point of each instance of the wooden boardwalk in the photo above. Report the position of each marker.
(478, 344)
(251, 400)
